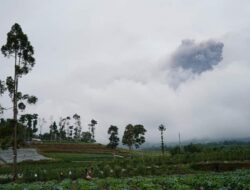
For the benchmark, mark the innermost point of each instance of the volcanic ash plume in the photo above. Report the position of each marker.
(193, 58)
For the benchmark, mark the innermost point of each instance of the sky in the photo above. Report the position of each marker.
(181, 63)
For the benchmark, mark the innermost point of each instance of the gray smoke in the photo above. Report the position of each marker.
(197, 57)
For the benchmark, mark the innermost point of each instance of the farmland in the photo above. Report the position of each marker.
(239, 180)
(75, 148)
(209, 168)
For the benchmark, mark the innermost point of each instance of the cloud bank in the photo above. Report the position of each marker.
(95, 59)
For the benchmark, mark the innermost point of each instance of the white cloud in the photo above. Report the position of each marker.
(104, 61)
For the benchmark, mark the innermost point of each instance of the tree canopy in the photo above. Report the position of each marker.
(134, 135)
(113, 139)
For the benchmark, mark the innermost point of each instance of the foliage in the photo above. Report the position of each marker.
(18, 45)
(134, 136)
(6, 133)
(192, 148)
(65, 130)
(50, 185)
(113, 139)
(77, 128)
(30, 122)
(2, 90)
(175, 150)
(62, 127)
(54, 133)
(86, 137)
(227, 181)
(92, 125)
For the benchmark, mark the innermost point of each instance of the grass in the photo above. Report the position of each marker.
(77, 157)
(73, 157)
(152, 153)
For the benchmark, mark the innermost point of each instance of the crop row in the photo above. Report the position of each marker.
(99, 171)
(239, 180)
(146, 166)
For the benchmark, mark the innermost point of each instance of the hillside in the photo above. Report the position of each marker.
(86, 148)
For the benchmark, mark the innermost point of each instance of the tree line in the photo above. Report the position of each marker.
(68, 129)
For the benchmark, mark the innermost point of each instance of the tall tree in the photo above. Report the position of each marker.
(68, 127)
(19, 47)
(62, 126)
(113, 139)
(162, 128)
(54, 131)
(78, 128)
(134, 136)
(71, 132)
(92, 125)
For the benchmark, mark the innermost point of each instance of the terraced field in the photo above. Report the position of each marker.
(87, 148)
(136, 171)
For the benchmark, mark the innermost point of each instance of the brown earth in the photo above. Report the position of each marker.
(77, 148)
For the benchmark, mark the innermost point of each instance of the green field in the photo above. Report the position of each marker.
(78, 157)
(239, 180)
(136, 170)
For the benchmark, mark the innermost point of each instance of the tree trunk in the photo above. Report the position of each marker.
(15, 112)
(93, 132)
(162, 143)
(130, 147)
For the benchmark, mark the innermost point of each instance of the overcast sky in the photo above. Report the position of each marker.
(182, 63)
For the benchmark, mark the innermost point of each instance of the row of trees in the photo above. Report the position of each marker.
(69, 128)
(133, 136)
